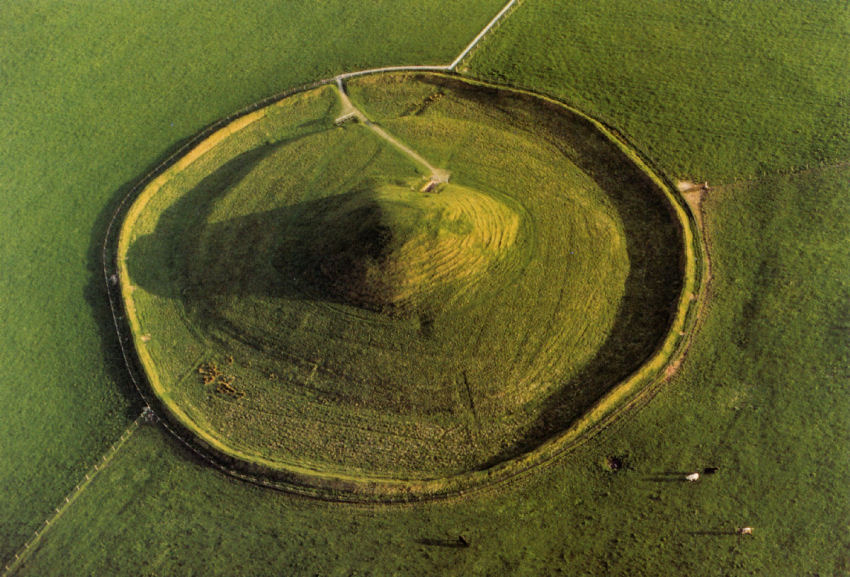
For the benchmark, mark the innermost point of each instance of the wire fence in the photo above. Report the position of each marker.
(26, 549)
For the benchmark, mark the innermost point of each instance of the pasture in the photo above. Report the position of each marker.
(708, 89)
(752, 98)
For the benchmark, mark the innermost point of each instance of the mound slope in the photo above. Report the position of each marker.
(300, 302)
(387, 249)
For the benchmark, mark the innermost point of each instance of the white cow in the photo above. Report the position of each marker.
(692, 477)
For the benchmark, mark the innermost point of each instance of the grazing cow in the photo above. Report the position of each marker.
(745, 531)
(692, 477)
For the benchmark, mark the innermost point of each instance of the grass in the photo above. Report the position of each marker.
(762, 393)
(710, 90)
(301, 261)
(767, 410)
(93, 94)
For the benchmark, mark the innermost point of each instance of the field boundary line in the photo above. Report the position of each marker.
(24, 551)
(402, 68)
(482, 34)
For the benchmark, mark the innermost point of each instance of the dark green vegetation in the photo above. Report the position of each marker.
(298, 300)
(762, 393)
(93, 94)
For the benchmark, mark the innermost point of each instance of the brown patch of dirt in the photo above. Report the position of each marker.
(694, 194)
(673, 367)
(686, 185)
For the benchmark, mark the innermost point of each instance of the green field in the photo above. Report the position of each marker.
(95, 94)
(709, 89)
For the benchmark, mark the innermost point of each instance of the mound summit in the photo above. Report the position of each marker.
(388, 248)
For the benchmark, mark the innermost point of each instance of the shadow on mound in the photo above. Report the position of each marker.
(351, 248)
(376, 246)
(336, 249)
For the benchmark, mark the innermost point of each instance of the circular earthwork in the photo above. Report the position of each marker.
(312, 310)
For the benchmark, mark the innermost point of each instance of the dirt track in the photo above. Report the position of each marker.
(348, 109)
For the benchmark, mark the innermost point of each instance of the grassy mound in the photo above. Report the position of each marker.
(299, 301)
(387, 249)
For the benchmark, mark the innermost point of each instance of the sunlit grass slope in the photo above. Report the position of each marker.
(91, 95)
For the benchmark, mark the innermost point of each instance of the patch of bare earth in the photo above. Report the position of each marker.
(694, 194)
